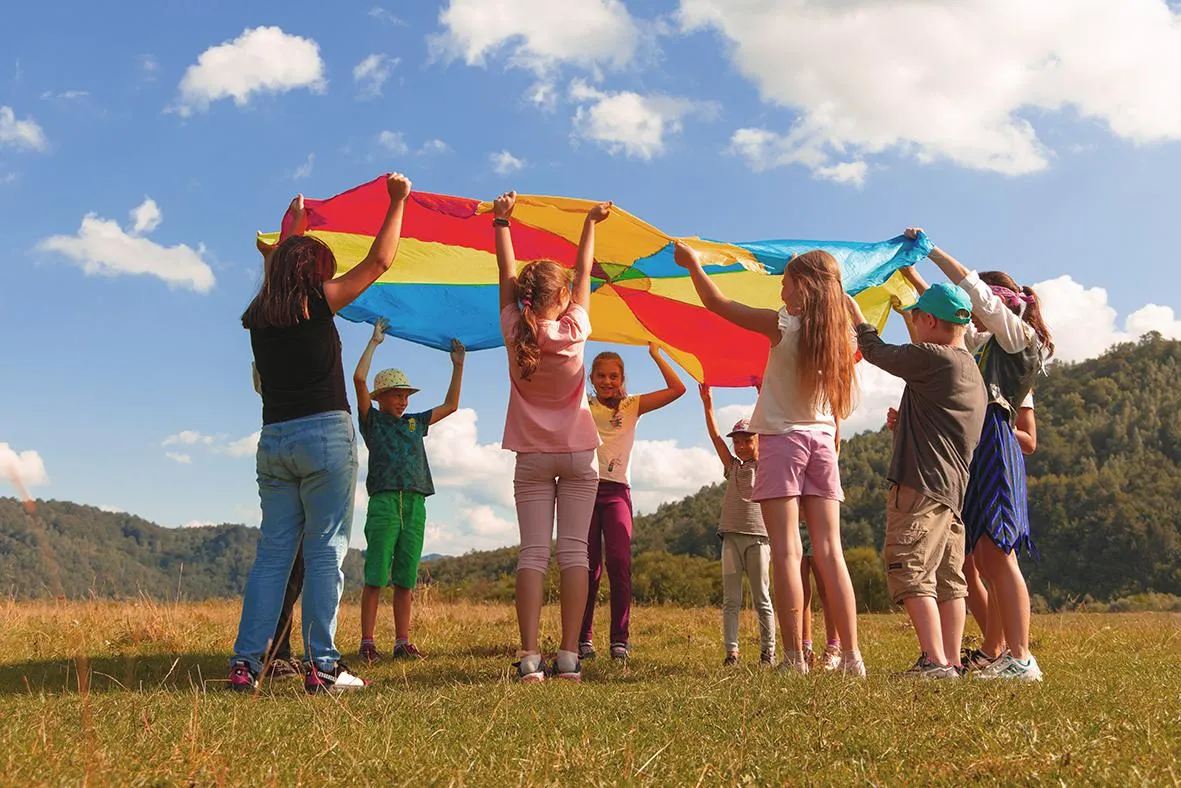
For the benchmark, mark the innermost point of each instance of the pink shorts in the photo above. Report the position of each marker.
(795, 464)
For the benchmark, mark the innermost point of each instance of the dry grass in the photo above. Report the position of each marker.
(134, 694)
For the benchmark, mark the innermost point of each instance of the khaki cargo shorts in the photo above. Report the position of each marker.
(924, 551)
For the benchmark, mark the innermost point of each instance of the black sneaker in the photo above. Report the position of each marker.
(565, 675)
(731, 661)
(586, 650)
(924, 668)
(336, 680)
(407, 651)
(284, 669)
(242, 677)
(767, 659)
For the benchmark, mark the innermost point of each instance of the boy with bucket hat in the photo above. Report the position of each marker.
(398, 482)
(745, 547)
(939, 422)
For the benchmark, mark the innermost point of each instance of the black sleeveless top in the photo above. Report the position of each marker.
(300, 366)
(1009, 377)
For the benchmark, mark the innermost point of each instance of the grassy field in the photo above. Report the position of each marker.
(134, 694)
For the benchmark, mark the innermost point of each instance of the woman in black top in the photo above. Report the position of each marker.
(307, 452)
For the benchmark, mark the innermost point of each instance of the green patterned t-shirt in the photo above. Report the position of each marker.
(397, 457)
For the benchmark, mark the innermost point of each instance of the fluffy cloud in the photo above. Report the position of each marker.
(664, 471)
(24, 468)
(145, 217)
(505, 163)
(304, 170)
(537, 34)
(482, 471)
(1084, 324)
(394, 142)
(20, 134)
(877, 393)
(433, 146)
(243, 447)
(945, 81)
(630, 123)
(180, 457)
(188, 438)
(381, 14)
(102, 247)
(372, 72)
(261, 60)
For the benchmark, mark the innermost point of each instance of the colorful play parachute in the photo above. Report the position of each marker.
(443, 283)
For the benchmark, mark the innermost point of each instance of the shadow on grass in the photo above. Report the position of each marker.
(208, 672)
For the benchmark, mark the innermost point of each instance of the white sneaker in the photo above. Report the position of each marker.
(852, 665)
(831, 659)
(793, 662)
(1010, 668)
(338, 679)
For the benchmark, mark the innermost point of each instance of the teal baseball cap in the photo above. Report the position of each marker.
(946, 302)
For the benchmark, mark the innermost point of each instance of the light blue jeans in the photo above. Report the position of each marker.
(307, 476)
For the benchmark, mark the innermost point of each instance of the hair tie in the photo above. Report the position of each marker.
(527, 302)
(1011, 299)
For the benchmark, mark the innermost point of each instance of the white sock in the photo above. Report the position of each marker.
(567, 661)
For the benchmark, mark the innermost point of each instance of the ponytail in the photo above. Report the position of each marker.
(1033, 316)
(539, 287)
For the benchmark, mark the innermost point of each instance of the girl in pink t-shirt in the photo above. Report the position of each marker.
(549, 425)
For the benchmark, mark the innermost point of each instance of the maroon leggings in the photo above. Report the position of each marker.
(610, 538)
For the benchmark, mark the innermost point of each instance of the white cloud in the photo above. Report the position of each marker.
(505, 163)
(65, 95)
(377, 12)
(261, 60)
(482, 471)
(21, 134)
(728, 415)
(852, 172)
(543, 94)
(537, 34)
(372, 72)
(182, 458)
(104, 507)
(198, 524)
(945, 81)
(243, 447)
(878, 391)
(663, 471)
(433, 146)
(188, 438)
(102, 247)
(145, 217)
(304, 170)
(630, 123)
(394, 142)
(1084, 324)
(26, 468)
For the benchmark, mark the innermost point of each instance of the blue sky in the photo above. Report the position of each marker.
(1052, 155)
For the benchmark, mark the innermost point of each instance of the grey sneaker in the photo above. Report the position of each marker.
(975, 659)
(530, 669)
(767, 658)
(586, 650)
(731, 661)
(620, 652)
(924, 668)
(1010, 668)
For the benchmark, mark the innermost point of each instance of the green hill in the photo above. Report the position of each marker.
(1105, 501)
(78, 551)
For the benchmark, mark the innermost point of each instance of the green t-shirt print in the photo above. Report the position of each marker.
(397, 457)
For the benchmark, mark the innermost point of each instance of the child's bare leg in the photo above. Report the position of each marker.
(830, 622)
(574, 582)
(952, 615)
(977, 593)
(528, 599)
(1008, 584)
(782, 518)
(806, 618)
(994, 635)
(370, 598)
(823, 518)
(403, 598)
(924, 615)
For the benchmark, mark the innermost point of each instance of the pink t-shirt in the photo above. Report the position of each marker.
(549, 412)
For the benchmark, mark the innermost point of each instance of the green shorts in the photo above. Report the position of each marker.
(395, 526)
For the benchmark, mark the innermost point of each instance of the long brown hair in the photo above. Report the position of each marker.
(826, 354)
(539, 287)
(294, 269)
(1033, 307)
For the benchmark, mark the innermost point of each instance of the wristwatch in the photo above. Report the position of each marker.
(500, 222)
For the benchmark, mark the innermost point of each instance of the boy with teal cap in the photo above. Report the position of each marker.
(398, 482)
(939, 423)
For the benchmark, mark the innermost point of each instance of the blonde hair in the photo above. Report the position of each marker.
(826, 356)
(539, 286)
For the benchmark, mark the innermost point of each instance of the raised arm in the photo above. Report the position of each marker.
(673, 387)
(299, 220)
(506, 261)
(343, 290)
(903, 361)
(761, 321)
(451, 404)
(361, 375)
(711, 427)
(586, 253)
(1009, 329)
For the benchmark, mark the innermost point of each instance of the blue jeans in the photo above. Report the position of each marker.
(307, 477)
